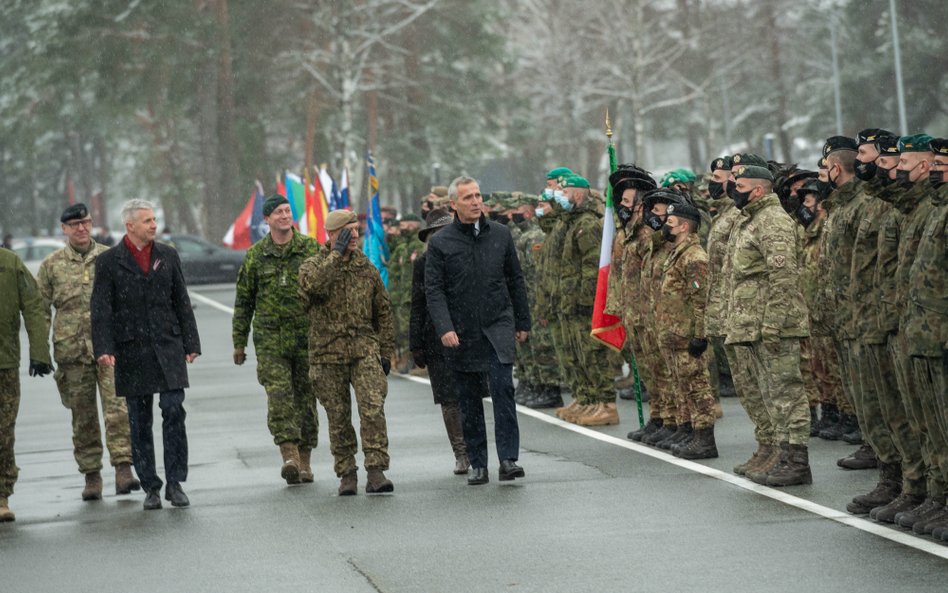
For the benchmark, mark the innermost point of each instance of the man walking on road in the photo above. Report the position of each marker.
(143, 325)
(478, 303)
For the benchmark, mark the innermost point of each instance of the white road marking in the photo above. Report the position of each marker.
(912, 541)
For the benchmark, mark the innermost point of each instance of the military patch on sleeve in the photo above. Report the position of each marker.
(537, 246)
(695, 284)
(780, 261)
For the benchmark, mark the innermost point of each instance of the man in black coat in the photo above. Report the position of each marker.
(478, 303)
(143, 325)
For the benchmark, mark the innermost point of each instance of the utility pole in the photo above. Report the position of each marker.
(836, 84)
(900, 90)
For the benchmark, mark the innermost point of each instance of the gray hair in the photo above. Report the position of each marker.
(130, 207)
(453, 188)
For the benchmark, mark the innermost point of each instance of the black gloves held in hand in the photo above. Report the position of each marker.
(386, 366)
(419, 357)
(40, 369)
(697, 346)
(342, 241)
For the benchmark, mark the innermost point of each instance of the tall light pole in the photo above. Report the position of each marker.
(900, 90)
(836, 92)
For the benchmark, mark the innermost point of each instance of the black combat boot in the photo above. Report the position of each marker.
(547, 396)
(863, 458)
(851, 432)
(920, 515)
(661, 434)
(650, 427)
(887, 489)
(793, 468)
(702, 446)
(904, 502)
(835, 431)
(524, 392)
(681, 444)
(829, 415)
(680, 434)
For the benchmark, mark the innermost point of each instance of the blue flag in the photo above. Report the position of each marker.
(376, 248)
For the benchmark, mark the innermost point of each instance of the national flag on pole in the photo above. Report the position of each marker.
(606, 328)
(344, 189)
(376, 248)
(316, 209)
(249, 226)
(296, 195)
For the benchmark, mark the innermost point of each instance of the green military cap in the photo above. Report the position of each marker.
(272, 203)
(748, 158)
(685, 211)
(888, 145)
(834, 143)
(915, 143)
(939, 146)
(76, 211)
(722, 162)
(411, 217)
(528, 199)
(558, 172)
(576, 181)
(340, 218)
(870, 135)
(680, 175)
(753, 172)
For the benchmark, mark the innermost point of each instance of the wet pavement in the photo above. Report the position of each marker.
(591, 515)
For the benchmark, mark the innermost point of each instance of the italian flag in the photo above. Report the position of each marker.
(608, 329)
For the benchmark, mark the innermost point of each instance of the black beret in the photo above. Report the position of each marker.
(662, 195)
(272, 203)
(685, 211)
(748, 158)
(834, 143)
(888, 145)
(75, 212)
(640, 178)
(870, 135)
(814, 187)
(821, 163)
(723, 162)
(799, 174)
(939, 146)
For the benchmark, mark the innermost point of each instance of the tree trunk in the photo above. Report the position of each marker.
(780, 106)
(227, 147)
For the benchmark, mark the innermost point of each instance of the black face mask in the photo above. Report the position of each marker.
(740, 198)
(715, 189)
(883, 176)
(865, 171)
(667, 233)
(517, 217)
(832, 182)
(653, 220)
(805, 216)
(624, 213)
(936, 178)
(902, 178)
(502, 219)
(825, 187)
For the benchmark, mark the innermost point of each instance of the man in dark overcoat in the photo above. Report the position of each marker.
(478, 303)
(143, 325)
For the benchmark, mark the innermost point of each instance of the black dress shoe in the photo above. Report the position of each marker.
(478, 476)
(510, 470)
(176, 495)
(152, 500)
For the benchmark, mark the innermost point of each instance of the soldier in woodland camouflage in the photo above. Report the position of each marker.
(267, 287)
(65, 280)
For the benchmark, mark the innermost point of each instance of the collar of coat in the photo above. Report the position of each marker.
(468, 228)
(757, 205)
(295, 244)
(73, 254)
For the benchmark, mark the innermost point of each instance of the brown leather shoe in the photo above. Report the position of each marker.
(377, 483)
(6, 515)
(600, 415)
(306, 470)
(93, 489)
(125, 481)
(348, 485)
(291, 462)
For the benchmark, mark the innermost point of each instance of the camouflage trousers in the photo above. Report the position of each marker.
(9, 407)
(847, 372)
(400, 319)
(748, 391)
(866, 403)
(633, 353)
(292, 415)
(824, 363)
(661, 386)
(694, 400)
(536, 360)
(910, 387)
(775, 367)
(367, 379)
(806, 371)
(591, 375)
(717, 364)
(931, 377)
(77, 389)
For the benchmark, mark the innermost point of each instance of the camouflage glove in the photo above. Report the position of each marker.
(419, 357)
(342, 241)
(386, 365)
(697, 346)
(40, 369)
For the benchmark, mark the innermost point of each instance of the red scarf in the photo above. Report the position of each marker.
(141, 256)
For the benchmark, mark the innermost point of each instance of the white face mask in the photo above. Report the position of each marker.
(539, 212)
(548, 194)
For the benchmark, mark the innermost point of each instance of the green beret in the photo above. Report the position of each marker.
(576, 181)
(558, 172)
(723, 162)
(888, 145)
(916, 143)
(77, 211)
(748, 158)
(870, 135)
(685, 211)
(753, 172)
(680, 175)
(340, 218)
(939, 146)
(526, 199)
(411, 217)
(272, 203)
(834, 143)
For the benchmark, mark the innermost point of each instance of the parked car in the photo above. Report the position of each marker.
(203, 262)
(33, 250)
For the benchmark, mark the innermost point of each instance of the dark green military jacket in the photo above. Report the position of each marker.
(845, 210)
(917, 205)
(267, 295)
(721, 226)
(19, 295)
(580, 260)
(925, 322)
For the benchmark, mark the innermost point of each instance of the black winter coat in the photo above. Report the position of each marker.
(146, 322)
(474, 287)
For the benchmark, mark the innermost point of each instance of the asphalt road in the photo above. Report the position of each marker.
(595, 512)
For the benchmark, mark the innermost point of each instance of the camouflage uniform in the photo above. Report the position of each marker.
(662, 390)
(925, 322)
(267, 288)
(350, 331)
(65, 280)
(537, 356)
(404, 251)
(548, 294)
(680, 312)
(590, 377)
(767, 315)
(18, 296)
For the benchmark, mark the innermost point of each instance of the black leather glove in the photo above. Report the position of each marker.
(386, 366)
(697, 346)
(419, 357)
(342, 241)
(40, 369)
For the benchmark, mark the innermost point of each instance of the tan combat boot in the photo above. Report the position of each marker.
(566, 409)
(306, 470)
(718, 412)
(291, 462)
(570, 415)
(761, 452)
(348, 485)
(6, 515)
(758, 473)
(125, 482)
(93, 489)
(601, 415)
(376, 482)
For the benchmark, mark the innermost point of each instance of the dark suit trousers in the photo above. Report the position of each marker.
(470, 387)
(174, 437)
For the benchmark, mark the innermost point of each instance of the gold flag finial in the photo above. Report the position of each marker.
(608, 125)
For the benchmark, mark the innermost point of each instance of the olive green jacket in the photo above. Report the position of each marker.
(19, 295)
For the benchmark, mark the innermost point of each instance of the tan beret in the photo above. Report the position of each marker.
(440, 191)
(340, 218)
